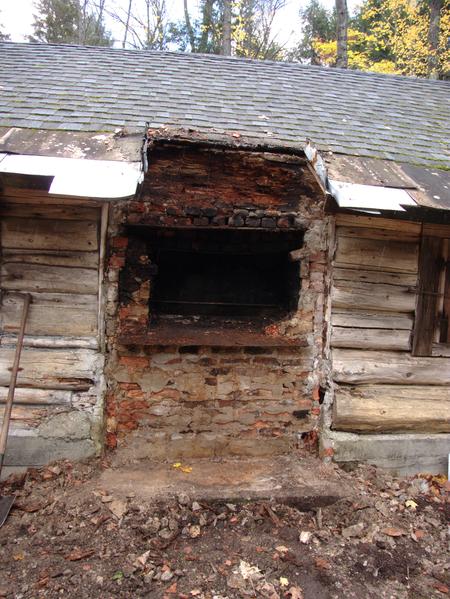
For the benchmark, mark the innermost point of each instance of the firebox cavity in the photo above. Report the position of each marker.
(225, 274)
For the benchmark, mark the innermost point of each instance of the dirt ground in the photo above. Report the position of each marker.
(67, 537)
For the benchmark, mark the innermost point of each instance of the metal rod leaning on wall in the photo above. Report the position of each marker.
(13, 380)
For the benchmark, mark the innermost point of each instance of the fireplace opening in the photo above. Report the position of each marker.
(222, 274)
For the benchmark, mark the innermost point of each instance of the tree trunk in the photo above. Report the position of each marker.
(189, 28)
(433, 38)
(226, 31)
(127, 24)
(342, 25)
(207, 21)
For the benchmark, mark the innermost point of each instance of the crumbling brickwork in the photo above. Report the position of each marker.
(223, 397)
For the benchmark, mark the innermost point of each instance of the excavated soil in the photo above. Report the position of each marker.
(69, 536)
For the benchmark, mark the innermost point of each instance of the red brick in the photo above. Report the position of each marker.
(119, 242)
(111, 440)
(134, 362)
(116, 262)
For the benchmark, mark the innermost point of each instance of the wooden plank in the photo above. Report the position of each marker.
(430, 268)
(370, 338)
(38, 397)
(371, 319)
(26, 416)
(53, 314)
(376, 254)
(52, 368)
(436, 230)
(379, 233)
(388, 409)
(35, 196)
(375, 222)
(47, 258)
(47, 234)
(372, 296)
(58, 279)
(52, 341)
(374, 276)
(445, 329)
(356, 366)
(441, 349)
(49, 211)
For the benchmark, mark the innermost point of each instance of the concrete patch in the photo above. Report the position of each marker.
(288, 479)
(67, 425)
(402, 455)
(36, 451)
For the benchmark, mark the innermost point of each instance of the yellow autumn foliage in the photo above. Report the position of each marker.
(392, 37)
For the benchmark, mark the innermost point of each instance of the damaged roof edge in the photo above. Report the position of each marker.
(96, 179)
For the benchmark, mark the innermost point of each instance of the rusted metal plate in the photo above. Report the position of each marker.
(189, 336)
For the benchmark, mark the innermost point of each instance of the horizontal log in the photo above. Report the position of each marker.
(374, 276)
(46, 234)
(56, 279)
(389, 367)
(52, 341)
(52, 314)
(436, 230)
(48, 258)
(370, 338)
(441, 349)
(377, 254)
(75, 369)
(384, 409)
(35, 197)
(39, 397)
(393, 234)
(372, 296)
(366, 319)
(48, 211)
(25, 416)
(374, 222)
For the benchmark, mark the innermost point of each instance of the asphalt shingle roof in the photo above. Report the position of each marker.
(100, 89)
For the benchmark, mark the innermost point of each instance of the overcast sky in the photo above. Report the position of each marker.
(16, 16)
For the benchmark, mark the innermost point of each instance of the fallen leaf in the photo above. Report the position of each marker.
(186, 469)
(78, 554)
(305, 537)
(31, 507)
(284, 581)
(393, 532)
(194, 531)
(295, 593)
(17, 557)
(281, 549)
(249, 572)
(411, 504)
(442, 588)
(322, 563)
(118, 508)
(172, 589)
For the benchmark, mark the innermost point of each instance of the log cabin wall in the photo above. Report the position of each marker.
(384, 401)
(214, 391)
(50, 249)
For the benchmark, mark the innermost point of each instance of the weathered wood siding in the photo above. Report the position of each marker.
(379, 385)
(51, 251)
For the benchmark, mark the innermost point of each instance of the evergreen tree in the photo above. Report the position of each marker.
(69, 22)
(318, 23)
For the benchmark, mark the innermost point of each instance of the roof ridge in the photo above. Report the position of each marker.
(332, 71)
